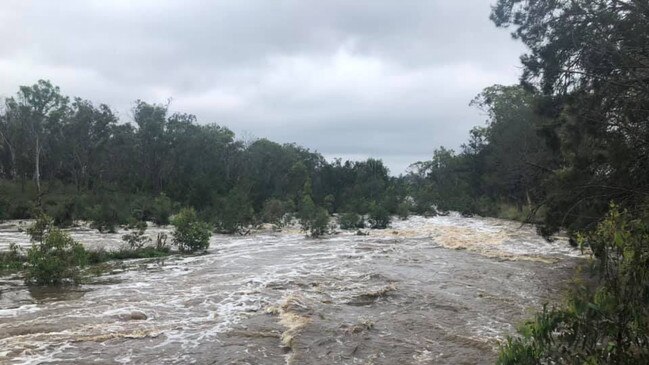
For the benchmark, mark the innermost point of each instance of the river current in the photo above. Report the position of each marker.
(440, 290)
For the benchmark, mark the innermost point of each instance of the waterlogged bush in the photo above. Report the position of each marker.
(104, 218)
(349, 220)
(235, 214)
(379, 217)
(403, 210)
(318, 224)
(56, 258)
(61, 210)
(314, 220)
(161, 210)
(605, 324)
(136, 238)
(190, 234)
(11, 260)
(278, 213)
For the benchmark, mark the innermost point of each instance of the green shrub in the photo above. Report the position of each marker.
(273, 212)
(190, 234)
(235, 213)
(379, 217)
(56, 258)
(11, 260)
(161, 210)
(17, 200)
(61, 208)
(136, 238)
(403, 210)
(104, 218)
(313, 219)
(603, 324)
(349, 220)
(101, 256)
(329, 203)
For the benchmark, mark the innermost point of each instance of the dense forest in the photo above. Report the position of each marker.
(76, 160)
(566, 149)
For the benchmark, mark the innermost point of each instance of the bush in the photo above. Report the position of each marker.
(329, 202)
(379, 217)
(190, 234)
(235, 213)
(349, 220)
(56, 259)
(403, 210)
(100, 256)
(606, 324)
(161, 210)
(313, 219)
(273, 212)
(62, 211)
(16, 200)
(136, 239)
(104, 218)
(11, 260)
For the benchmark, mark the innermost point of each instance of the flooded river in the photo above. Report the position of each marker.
(440, 290)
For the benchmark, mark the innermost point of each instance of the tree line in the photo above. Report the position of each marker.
(77, 160)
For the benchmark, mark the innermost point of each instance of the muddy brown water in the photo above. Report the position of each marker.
(442, 290)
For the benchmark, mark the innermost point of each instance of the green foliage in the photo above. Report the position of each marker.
(190, 234)
(235, 213)
(403, 210)
(161, 210)
(93, 168)
(56, 258)
(275, 212)
(12, 260)
(16, 202)
(101, 256)
(329, 203)
(605, 324)
(108, 214)
(350, 220)
(61, 208)
(136, 238)
(588, 61)
(505, 162)
(313, 219)
(379, 217)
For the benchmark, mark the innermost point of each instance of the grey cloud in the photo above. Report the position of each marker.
(347, 78)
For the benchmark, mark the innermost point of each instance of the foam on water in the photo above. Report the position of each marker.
(395, 277)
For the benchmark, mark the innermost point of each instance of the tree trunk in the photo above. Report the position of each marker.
(37, 161)
(12, 153)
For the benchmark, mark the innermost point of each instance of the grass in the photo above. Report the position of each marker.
(13, 261)
(100, 256)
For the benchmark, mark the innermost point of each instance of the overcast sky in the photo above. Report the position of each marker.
(350, 79)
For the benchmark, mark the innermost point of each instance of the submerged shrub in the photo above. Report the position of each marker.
(403, 210)
(190, 234)
(235, 214)
(62, 211)
(379, 217)
(274, 212)
(136, 239)
(56, 258)
(349, 220)
(161, 210)
(313, 219)
(104, 218)
(11, 260)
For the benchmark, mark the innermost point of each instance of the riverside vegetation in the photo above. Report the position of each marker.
(567, 148)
